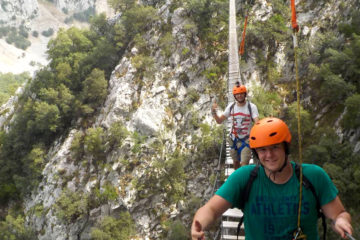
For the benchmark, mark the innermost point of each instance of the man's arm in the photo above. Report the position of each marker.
(341, 219)
(206, 215)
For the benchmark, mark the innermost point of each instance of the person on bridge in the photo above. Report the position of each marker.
(271, 211)
(242, 112)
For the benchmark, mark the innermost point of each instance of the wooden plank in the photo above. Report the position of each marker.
(233, 212)
(231, 224)
(232, 237)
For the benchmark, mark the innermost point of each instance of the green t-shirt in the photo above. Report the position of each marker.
(271, 211)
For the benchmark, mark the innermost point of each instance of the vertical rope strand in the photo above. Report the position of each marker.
(298, 124)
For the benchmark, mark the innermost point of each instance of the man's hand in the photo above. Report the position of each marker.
(196, 231)
(342, 226)
(214, 106)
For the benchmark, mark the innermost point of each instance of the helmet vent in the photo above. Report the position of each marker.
(253, 138)
(272, 134)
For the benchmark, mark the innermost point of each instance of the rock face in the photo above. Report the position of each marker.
(13, 12)
(75, 5)
(151, 111)
(38, 16)
(145, 111)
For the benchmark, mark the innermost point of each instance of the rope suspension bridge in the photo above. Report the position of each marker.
(231, 227)
(230, 219)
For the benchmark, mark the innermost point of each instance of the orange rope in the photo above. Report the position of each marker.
(242, 45)
(294, 24)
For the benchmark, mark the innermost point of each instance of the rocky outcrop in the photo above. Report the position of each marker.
(75, 5)
(14, 12)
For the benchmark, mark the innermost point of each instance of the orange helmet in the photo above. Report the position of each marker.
(269, 131)
(239, 89)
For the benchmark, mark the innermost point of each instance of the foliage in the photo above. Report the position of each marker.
(267, 102)
(208, 141)
(138, 19)
(166, 176)
(48, 33)
(178, 231)
(71, 206)
(105, 194)
(138, 139)
(121, 5)
(217, 86)
(268, 36)
(144, 65)
(15, 36)
(306, 123)
(18, 40)
(351, 118)
(117, 133)
(9, 83)
(77, 145)
(85, 15)
(111, 228)
(211, 30)
(167, 44)
(94, 88)
(94, 143)
(73, 85)
(192, 95)
(14, 228)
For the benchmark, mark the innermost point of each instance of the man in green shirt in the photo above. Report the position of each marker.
(271, 211)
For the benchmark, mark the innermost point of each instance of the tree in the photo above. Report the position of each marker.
(95, 88)
(14, 228)
(351, 118)
(46, 118)
(121, 5)
(94, 143)
(138, 19)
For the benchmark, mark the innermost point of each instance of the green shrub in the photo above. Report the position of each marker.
(35, 34)
(77, 145)
(351, 119)
(178, 231)
(106, 194)
(167, 44)
(14, 228)
(193, 96)
(48, 33)
(138, 141)
(84, 16)
(268, 102)
(94, 143)
(111, 228)
(117, 133)
(71, 206)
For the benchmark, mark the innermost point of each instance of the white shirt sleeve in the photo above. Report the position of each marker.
(254, 110)
(227, 110)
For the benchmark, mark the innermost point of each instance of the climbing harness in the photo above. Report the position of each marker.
(243, 145)
(235, 139)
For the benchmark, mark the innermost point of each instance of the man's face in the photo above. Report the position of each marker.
(272, 157)
(240, 97)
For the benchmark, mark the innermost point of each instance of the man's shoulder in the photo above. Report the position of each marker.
(312, 171)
